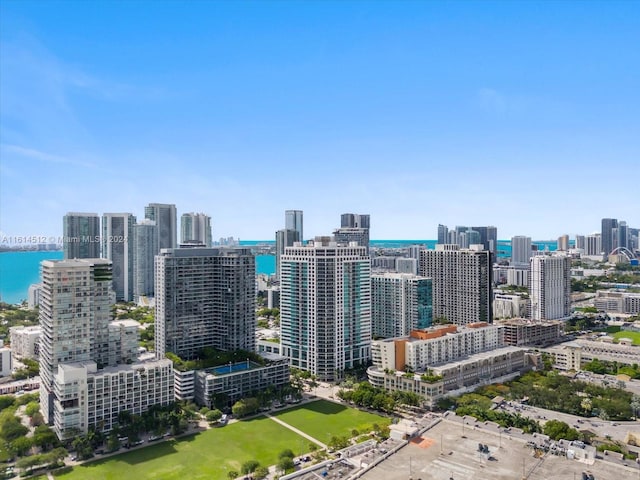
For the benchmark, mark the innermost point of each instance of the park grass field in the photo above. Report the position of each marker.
(635, 336)
(323, 419)
(210, 454)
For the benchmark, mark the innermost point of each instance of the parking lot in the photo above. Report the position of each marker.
(445, 452)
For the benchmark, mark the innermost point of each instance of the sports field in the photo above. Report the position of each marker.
(635, 336)
(323, 419)
(215, 452)
(210, 454)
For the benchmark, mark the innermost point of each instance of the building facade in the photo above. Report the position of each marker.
(117, 246)
(424, 349)
(615, 301)
(520, 332)
(400, 303)
(284, 238)
(195, 228)
(520, 250)
(236, 383)
(607, 234)
(462, 283)
(145, 247)
(205, 297)
(84, 381)
(6, 365)
(88, 398)
(25, 341)
(33, 295)
(165, 216)
(81, 235)
(550, 286)
(293, 221)
(325, 307)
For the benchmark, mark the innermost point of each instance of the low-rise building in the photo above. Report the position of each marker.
(435, 345)
(613, 301)
(25, 341)
(567, 356)
(509, 305)
(236, 381)
(608, 351)
(521, 331)
(85, 397)
(454, 378)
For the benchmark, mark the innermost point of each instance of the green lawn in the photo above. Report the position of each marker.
(324, 419)
(213, 453)
(210, 454)
(635, 336)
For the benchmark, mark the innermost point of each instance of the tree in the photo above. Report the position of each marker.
(260, 473)
(21, 446)
(287, 453)
(249, 466)
(232, 474)
(285, 464)
(213, 415)
(113, 442)
(45, 438)
(245, 406)
(32, 408)
(83, 447)
(557, 430)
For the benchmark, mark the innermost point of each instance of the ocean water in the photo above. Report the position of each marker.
(18, 270)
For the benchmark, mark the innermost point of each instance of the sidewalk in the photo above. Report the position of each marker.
(294, 429)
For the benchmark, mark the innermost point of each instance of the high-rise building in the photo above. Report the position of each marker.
(581, 242)
(81, 235)
(550, 286)
(593, 246)
(293, 221)
(117, 246)
(325, 307)
(347, 235)
(355, 220)
(145, 247)
(467, 236)
(75, 310)
(622, 240)
(88, 367)
(354, 227)
(195, 228)
(608, 224)
(461, 283)
(488, 238)
(165, 216)
(400, 303)
(443, 234)
(205, 297)
(284, 238)
(520, 250)
(563, 243)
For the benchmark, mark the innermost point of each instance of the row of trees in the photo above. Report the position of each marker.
(156, 421)
(612, 368)
(479, 406)
(366, 395)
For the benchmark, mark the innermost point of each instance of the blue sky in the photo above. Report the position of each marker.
(523, 115)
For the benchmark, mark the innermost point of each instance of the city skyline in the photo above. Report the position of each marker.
(518, 115)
